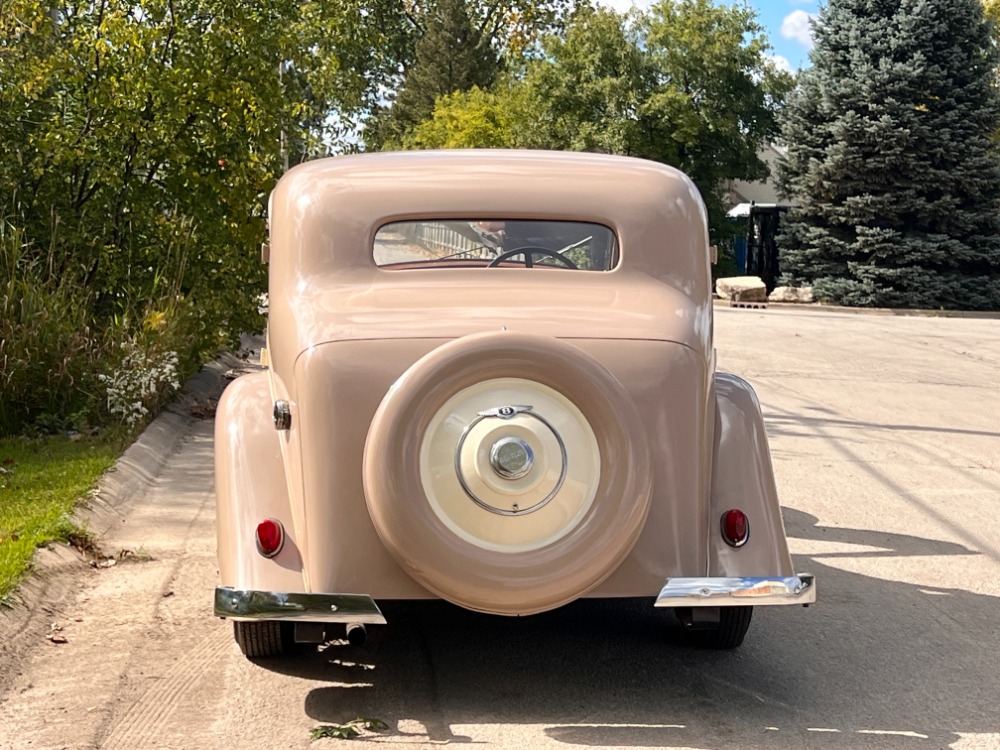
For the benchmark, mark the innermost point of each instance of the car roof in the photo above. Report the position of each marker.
(655, 210)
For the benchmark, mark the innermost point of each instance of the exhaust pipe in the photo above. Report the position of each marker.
(356, 634)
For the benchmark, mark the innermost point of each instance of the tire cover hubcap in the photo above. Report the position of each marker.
(509, 478)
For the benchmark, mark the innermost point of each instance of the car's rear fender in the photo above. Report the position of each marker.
(251, 487)
(743, 478)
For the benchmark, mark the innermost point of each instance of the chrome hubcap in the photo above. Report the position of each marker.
(511, 458)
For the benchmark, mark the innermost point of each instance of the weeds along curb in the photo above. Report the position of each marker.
(41, 598)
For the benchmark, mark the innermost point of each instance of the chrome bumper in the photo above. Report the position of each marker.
(273, 605)
(737, 592)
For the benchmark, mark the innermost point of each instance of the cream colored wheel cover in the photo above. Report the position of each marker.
(517, 518)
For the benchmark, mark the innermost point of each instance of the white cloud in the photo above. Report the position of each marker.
(796, 25)
(780, 62)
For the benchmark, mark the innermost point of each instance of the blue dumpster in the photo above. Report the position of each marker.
(740, 253)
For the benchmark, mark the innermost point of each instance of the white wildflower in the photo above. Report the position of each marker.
(141, 378)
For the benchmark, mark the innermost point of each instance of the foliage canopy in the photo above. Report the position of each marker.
(144, 139)
(687, 83)
(452, 54)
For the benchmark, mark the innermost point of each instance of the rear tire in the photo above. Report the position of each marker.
(732, 628)
(262, 639)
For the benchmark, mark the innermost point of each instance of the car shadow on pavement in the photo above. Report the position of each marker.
(799, 525)
(875, 664)
(790, 424)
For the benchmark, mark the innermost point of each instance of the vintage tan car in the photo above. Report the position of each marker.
(491, 380)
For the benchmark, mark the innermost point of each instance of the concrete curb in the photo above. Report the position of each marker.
(884, 311)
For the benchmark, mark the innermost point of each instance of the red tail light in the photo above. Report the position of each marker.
(270, 537)
(735, 527)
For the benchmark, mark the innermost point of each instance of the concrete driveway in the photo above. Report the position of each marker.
(885, 433)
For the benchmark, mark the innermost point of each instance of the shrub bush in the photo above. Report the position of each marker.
(62, 367)
(49, 353)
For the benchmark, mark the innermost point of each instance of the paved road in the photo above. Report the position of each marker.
(886, 438)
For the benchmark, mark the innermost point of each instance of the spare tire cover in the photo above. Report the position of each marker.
(508, 472)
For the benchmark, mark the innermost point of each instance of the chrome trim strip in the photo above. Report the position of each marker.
(738, 592)
(273, 605)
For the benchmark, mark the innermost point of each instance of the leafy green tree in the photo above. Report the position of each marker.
(890, 158)
(718, 94)
(501, 118)
(687, 83)
(147, 137)
(141, 141)
(453, 54)
(455, 45)
(593, 83)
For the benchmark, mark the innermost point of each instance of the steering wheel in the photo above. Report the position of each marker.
(529, 251)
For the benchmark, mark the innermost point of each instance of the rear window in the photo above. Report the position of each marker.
(493, 243)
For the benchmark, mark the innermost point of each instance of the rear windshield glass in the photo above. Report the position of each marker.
(492, 243)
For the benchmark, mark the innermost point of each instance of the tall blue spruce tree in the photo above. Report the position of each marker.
(892, 163)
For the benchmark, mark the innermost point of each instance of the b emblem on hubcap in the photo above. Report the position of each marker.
(505, 412)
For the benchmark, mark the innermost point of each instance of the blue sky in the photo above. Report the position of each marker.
(786, 21)
(787, 24)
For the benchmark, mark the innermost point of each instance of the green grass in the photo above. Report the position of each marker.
(41, 481)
